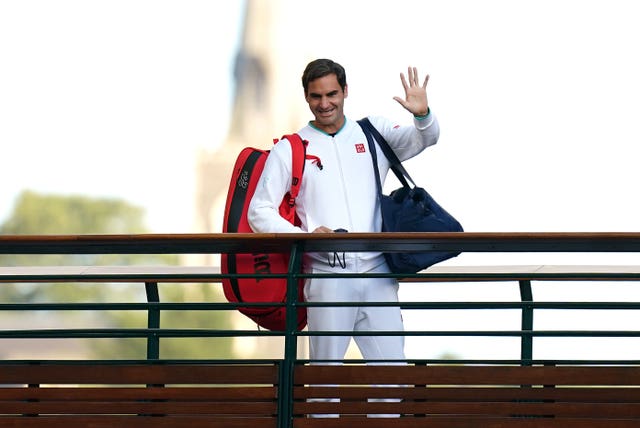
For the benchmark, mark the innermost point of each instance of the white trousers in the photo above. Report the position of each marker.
(360, 318)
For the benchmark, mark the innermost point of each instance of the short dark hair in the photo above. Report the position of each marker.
(320, 68)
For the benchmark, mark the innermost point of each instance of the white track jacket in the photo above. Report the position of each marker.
(343, 193)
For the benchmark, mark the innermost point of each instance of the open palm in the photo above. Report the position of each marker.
(415, 100)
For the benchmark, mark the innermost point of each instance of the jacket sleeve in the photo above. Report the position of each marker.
(263, 213)
(408, 141)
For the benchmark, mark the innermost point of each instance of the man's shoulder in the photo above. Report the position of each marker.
(282, 148)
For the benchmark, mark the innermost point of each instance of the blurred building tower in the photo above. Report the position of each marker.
(264, 105)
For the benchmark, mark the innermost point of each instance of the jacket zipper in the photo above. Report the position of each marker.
(344, 191)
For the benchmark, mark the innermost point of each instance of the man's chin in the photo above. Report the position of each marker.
(330, 119)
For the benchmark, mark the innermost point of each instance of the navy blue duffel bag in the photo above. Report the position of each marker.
(408, 209)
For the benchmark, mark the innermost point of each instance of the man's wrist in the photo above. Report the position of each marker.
(424, 116)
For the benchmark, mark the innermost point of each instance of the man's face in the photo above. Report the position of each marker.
(326, 101)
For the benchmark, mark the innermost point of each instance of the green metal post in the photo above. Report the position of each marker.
(285, 397)
(526, 346)
(153, 321)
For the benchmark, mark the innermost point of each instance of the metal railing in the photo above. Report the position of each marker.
(296, 245)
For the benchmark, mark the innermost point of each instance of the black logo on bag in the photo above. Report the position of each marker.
(261, 265)
(243, 179)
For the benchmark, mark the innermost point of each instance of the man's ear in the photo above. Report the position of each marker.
(346, 91)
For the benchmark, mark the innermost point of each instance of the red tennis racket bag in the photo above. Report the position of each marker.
(246, 173)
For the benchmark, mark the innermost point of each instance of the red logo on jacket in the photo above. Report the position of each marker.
(360, 148)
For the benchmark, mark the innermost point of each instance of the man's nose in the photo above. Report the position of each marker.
(324, 102)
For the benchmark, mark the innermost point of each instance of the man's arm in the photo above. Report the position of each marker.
(263, 214)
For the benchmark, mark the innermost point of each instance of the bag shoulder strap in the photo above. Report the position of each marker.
(374, 156)
(396, 166)
(298, 155)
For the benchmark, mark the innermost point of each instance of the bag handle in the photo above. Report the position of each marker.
(395, 164)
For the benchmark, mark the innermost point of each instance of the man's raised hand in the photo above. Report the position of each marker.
(415, 100)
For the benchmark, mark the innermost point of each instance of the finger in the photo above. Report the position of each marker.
(415, 77)
(400, 101)
(412, 77)
(426, 80)
(404, 81)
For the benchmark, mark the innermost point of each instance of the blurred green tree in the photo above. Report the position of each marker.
(41, 214)
(36, 213)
